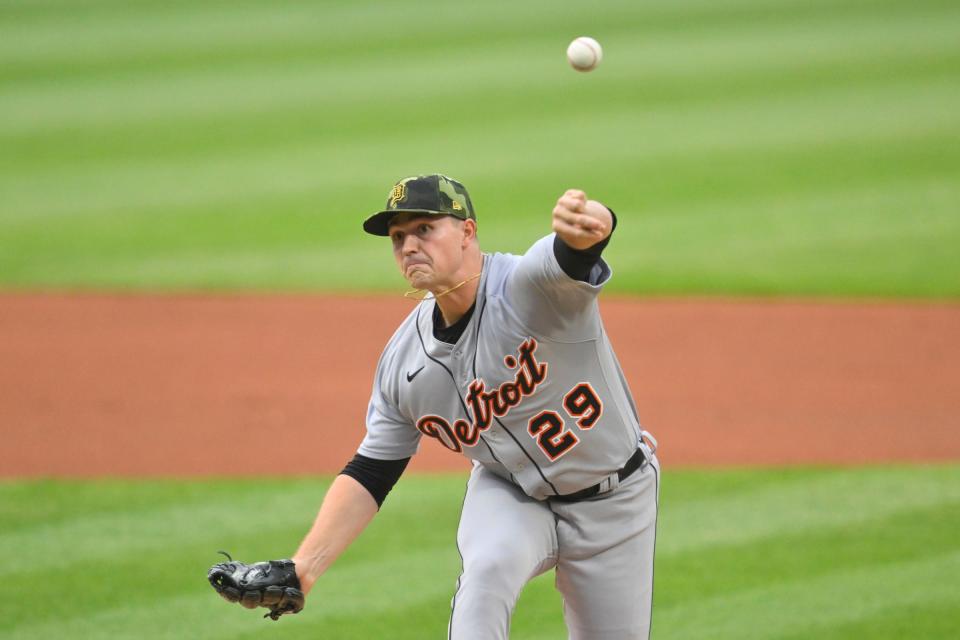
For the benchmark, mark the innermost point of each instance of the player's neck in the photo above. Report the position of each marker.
(456, 301)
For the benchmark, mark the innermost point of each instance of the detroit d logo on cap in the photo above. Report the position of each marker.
(399, 193)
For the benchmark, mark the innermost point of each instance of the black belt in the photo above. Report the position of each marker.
(636, 461)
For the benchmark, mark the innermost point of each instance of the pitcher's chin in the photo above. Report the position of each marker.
(418, 278)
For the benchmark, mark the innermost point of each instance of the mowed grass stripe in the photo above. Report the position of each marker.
(110, 37)
(203, 615)
(926, 620)
(825, 500)
(688, 185)
(840, 597)
(142, 527)
(305, 122)
(842, 113)
(412, 610)
(834, 222)
(105, 554)
(260, 87)
(655, 52)
(142, 531)
(345, 591)
(659, 251)
(26, 504)
(804, 556)
(178, 551)
(834, 605)
(855, 240)
(822, 500)
(808, 552)
(125, 165)
(201, 29)
(843, 543)
(425, 620)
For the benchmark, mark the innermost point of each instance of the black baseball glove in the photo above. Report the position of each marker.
(272, 584)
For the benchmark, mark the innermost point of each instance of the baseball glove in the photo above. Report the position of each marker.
(272, 584)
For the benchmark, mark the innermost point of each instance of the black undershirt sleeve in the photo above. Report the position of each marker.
(376, 476)
(578, 263)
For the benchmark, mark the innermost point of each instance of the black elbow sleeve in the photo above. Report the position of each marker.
(376, 476)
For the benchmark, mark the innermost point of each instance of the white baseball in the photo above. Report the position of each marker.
(584, 54)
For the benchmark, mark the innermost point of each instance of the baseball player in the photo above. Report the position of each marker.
(505, 361)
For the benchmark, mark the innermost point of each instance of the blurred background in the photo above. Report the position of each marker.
(758, 147)
(181, 187)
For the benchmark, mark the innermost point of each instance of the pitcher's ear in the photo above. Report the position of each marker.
(469, 230)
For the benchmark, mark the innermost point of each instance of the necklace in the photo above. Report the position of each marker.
(413, 292)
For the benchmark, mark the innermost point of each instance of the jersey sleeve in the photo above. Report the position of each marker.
(390, 436)
(551, 303)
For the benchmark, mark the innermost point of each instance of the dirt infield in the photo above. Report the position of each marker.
(135, 385)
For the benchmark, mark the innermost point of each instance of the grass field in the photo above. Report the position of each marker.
(789, 554)
(749, 147)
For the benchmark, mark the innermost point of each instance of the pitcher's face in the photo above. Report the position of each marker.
(429, 249)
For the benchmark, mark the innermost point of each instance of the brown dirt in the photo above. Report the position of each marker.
(134, 385)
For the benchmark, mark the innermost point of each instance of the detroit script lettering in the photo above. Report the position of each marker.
(484, 405)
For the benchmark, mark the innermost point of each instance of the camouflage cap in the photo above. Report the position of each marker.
(432, 195)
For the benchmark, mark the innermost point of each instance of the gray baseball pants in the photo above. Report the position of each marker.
(602, 549)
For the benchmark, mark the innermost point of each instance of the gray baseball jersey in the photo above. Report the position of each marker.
(533, 393)
(532, 390)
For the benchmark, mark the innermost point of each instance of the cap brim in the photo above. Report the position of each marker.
(379, 223)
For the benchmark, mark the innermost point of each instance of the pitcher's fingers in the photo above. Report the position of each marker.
(572, 203)
(572, 231)
(577, 219)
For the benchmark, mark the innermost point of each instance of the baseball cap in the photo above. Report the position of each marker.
(432, 195)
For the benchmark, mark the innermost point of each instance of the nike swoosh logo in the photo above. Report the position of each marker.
(411, 376)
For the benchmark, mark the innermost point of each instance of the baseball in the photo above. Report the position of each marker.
(584, 54)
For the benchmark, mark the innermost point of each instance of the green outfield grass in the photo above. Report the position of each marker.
(799, 147)
(798, 553)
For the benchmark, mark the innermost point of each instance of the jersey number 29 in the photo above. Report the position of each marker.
(549, 429)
